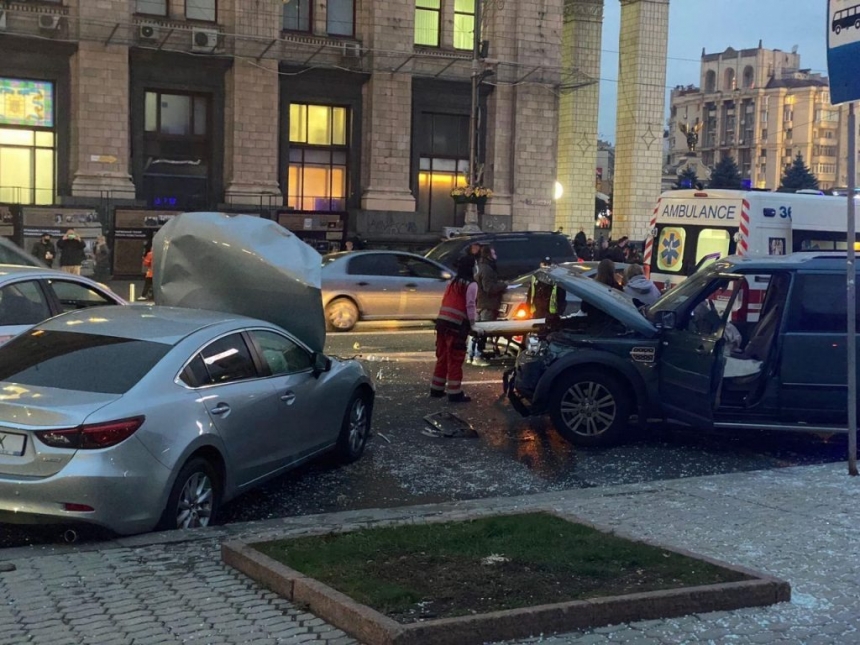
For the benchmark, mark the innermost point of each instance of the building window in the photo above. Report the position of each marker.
(27, 142)
(151, 7)
(205, 10)
(341, 18)
(442, 141)
(297, 15)
(428, 17)
(317, 174)
(464, 24)
(711, 81)
(178, 115)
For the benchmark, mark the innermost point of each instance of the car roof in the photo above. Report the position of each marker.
(16, 270)
(810, 260)
(477, 237)
(25, 258)
(167, 325)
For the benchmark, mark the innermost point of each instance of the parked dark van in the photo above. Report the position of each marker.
(518, 253)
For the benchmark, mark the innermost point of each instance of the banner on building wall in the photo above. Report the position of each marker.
(843, 50)
(7, 222)
(26, 103)
(133, 230)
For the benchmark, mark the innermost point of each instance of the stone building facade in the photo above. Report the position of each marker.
(333, 116)
(337, 116)
(762, 108)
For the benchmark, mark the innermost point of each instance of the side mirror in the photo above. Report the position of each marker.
(668, 319)
(322, 364)
(447, 275)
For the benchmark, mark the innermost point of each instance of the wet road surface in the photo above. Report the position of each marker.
(511, 456)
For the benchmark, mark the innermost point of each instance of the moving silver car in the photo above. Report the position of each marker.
(29, 295)
(136, 417)
(381, 285)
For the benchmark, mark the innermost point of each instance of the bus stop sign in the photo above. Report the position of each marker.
(843, 50)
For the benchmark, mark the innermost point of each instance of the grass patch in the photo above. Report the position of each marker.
(418, 572)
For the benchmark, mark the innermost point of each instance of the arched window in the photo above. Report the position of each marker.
(711, 81)
(749, 77)
(729, 82)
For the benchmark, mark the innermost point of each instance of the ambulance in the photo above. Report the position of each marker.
(692, 228)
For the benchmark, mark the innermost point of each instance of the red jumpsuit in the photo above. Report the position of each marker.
(452, 329)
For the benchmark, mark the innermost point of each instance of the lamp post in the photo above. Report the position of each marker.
(471, 223)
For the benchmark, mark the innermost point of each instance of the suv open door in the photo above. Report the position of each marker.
(692, 357)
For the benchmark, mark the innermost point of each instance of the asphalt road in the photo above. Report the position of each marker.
(511, 455)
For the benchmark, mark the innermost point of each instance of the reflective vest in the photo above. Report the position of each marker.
(453, 310)
(553, 298)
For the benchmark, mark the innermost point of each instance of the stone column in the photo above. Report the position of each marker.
(251, 118)
(641, 113)
(387, 118)
(577, 140)
(100, 149)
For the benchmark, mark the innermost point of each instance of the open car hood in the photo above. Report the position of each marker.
(610, 301)
(244, 265)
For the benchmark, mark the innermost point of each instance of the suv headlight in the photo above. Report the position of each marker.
(534, 345)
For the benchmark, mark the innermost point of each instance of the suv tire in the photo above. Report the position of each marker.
(590, 408)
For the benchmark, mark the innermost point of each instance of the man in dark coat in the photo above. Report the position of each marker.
(72, 252)
(490, 290)
(45, 250)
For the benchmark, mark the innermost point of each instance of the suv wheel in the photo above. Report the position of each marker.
(590, 408)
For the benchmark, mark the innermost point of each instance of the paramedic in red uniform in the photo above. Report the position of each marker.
(452, 329)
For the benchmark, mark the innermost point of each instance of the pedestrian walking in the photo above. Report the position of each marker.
(45, 250)
(490, 290)
(146, 294)
(453, 325)
(101, 251)
(72, 252)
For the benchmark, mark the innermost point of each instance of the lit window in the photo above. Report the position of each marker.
(151, 7)
(427, 19)
(464, 24)
(340, 17)
(711, 241)
(297, 15)
(205, 10)
(317, 125)
(317, 176)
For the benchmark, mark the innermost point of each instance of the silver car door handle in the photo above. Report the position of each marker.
(221, 409)
(362, 284)
(412, 286)
(289, 398)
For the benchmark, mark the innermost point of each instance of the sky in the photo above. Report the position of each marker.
(716, 25)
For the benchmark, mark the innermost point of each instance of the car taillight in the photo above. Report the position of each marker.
(93, 436)
(522, 312)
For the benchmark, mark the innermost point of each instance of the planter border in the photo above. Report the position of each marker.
(374, 628)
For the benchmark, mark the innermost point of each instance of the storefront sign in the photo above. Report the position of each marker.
(27, 103)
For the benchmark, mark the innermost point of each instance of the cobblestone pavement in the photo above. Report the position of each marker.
(794, 523)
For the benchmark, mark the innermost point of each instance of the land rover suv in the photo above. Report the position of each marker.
(691, 357)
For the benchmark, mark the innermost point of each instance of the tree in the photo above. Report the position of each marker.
(726, 175)
(687, 179)
(798, 177)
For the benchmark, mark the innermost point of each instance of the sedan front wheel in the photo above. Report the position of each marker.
(590, 408)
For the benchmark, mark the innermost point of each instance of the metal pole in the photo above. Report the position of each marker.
(851, 345)
(472, 209)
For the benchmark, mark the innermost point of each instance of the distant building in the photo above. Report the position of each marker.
(605, 173)
(761, 108)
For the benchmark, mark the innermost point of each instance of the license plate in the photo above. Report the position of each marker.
(12, 444)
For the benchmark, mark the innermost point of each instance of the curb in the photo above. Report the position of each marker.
(373, 628)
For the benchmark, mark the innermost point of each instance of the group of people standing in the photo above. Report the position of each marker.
(72, 252)
(616, 250)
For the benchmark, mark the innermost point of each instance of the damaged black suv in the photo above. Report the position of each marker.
(696, 356)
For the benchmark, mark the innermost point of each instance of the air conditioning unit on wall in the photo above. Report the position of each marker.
(148, 32)
(48, 22)
(350, 50)
(204, 40)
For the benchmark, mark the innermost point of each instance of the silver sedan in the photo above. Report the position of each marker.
(380, 285)
(140, 417)
(29, 295)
